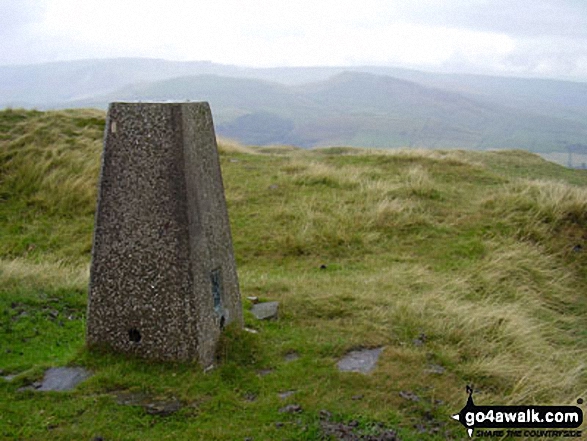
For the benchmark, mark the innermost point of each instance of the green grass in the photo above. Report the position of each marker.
(472, 250)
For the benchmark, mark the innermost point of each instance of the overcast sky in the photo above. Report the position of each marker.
(540, 38)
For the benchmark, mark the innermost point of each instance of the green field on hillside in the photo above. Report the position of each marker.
(467, 267)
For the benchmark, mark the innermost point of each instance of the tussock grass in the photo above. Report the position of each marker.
(539, 208)
(227, 146)
(52, 160)
(316, 173)
(23, 274)
(419, 183)
(451, 157)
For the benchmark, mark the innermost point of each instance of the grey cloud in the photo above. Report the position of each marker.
(519, 18)
(16, 15)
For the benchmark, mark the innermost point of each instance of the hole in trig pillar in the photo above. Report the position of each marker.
(134, 335)
(216, 283)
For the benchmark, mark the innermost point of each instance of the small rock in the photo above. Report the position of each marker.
(265, 311)
(279, 424)
(54, 313)
(357, 397)
(323, 267)
(131, 398)
(273, 187)
(435, 369)
(577, 248)
(410, 396)
(362, 361)
(62, 379)
(291, 408)
(287, 393)
(264, 372)
(325, 415)
(250, 397)
(250, 330)
(291, 356)
(233, 160)
(163, 408)
(253, 299)
(420, 340)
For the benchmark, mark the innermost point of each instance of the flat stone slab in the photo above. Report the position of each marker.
(362, 361)
(63, 379)
(152, 406)
(265, 311)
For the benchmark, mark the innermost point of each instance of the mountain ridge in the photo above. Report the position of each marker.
(371, 106)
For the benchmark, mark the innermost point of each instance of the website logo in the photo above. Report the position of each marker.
(517, 419)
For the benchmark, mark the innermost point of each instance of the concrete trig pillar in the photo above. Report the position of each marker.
(163, 280)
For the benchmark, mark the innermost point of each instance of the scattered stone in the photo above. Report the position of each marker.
(53, 313)
(252, 331)
(9, 377)
(62, 379)
(253, 299)
(265, 311)
(291, 356)
(362, 361)
(408, 395)
(163, 408)
(250, 397)
(577, 248)
(233, 160)
(131, 399)
(264, 372)
(357, 397)
(429, 425)
(149, 404)
(420, 340)
(291, 408)
(279, 424)
(273, 187)
(350, 431)
(325, 415)
(435, 369)
(287, 393)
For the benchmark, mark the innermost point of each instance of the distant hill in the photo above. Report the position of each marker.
(319, 106)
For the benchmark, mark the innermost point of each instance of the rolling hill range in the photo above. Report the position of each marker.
(325, 106)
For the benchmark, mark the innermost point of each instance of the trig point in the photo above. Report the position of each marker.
(163, 280)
